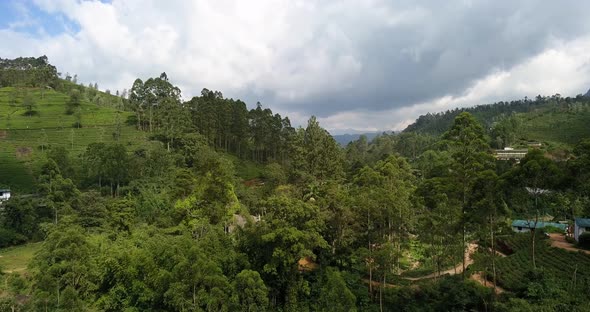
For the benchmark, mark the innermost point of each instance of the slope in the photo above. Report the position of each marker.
(24, 138)
(553, 120)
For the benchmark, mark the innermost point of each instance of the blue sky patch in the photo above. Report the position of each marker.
(26, 17)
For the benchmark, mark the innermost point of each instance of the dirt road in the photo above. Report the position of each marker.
(471, 248)
(558, 240)
(478, 277)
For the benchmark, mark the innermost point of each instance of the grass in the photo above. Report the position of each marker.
(16, 259)
(25, 138)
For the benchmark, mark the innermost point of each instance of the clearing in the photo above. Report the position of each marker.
(16, 259)
(471, 248)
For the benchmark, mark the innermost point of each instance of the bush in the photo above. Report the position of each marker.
(10, 238)
(584, 240)
(552, 229)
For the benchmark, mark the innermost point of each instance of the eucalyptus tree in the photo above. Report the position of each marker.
(470, 155)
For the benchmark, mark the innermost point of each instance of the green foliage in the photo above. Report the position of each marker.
(251, 291)
(334, 294)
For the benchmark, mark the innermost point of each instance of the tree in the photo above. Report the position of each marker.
(289, 232)
(74, 102)
(29, 105)
(64, 268)
(535, 175)
(334, 294)
(251, 291)
(323, 155)
(468, 147)
(19, 215)
(486, 206)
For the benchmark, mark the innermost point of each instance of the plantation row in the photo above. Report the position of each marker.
(569, 269)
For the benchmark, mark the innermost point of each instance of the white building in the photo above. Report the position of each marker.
(4, 195)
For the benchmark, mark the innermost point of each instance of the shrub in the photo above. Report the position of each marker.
(584, 240)
(10, 238)
(552, 229)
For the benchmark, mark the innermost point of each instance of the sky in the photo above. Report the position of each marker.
(358, 65)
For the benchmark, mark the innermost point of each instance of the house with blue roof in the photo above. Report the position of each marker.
(522, 226)
(581, 225)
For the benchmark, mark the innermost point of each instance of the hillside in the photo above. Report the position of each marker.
(552, 120)
(24, 136)
(344, 139)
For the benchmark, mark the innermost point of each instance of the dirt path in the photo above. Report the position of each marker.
(558, 240)
(478, 277)
(378, 284)
(471, 248)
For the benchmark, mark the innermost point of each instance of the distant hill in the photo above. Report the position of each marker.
(553, 120)
(344, 139)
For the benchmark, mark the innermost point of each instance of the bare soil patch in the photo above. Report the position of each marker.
(23, 152)
(3, 134)
(478, 277)
(558, 240)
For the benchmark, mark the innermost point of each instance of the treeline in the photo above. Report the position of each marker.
(28, 72)
(227, 124)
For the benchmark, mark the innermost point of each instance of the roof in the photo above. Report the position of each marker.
(4, 191)
(539, 225)
(583, 222)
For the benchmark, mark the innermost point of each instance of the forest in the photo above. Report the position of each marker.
(206, 205)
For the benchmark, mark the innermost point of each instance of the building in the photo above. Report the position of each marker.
(521, 226)
(4, 195)
(581, 225)
(535, 144)
(509, 153)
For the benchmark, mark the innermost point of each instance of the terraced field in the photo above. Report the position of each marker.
(568, 268)
(25, 138)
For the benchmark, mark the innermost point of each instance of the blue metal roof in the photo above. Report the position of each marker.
(583, 222)
(539, 225)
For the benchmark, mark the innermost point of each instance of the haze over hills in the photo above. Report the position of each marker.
(344, 139)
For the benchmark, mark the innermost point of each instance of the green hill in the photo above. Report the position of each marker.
(554, 120)
(24, 137)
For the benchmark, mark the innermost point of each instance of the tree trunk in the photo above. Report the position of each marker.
(493, 253)
(381, 294)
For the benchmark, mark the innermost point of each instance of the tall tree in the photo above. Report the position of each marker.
(469, 151)
(535, 175)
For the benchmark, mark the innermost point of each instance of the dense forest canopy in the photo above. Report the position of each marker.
(206, 205)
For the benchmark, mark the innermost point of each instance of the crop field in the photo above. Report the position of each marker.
(567, 268)
(564, 127)
(25, 138)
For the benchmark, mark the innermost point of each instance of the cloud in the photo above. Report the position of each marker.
(563, 69)
(371, 64)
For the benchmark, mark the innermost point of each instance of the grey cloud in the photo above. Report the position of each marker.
(443, 54)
